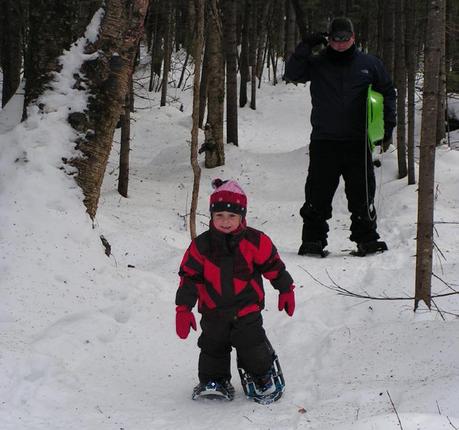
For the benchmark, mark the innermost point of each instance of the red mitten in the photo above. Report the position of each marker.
(287, 301)
(184, 319)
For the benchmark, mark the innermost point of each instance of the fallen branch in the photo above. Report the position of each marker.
(452, 425)
(395, 410)
(341, 291)
(444, 282)
(447, 417)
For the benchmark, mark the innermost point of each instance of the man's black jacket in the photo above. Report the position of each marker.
(339, 84)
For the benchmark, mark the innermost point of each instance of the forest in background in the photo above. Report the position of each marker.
(232, 44)
(243, 40)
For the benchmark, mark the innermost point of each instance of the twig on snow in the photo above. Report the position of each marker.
(451, 424)
(348, 293)
(438, 310)
(395, 410)
(447, 417)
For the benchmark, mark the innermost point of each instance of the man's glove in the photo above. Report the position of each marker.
(184, 320)
(315, 39)
(387, 140)
(287, 301)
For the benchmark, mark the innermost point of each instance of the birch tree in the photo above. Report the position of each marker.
(108, 82)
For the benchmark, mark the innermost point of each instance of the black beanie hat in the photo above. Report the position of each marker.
(341, 27)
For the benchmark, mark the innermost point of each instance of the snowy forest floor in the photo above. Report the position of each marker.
(88, 342)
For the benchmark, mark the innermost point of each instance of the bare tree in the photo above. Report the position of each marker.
(253, 53)
(372, 26)
(400, 83)
(215, 155)
(203, 83)
(388, 36)
(153, 30)
(244, 55)
(290, 26)
(424, 247)
(125, 143)
(198, 45)
(441, 113)
(230, 45)
(167, 51)
(410, 49)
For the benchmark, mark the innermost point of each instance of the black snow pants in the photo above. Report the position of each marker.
(328, 160)
(223, 330)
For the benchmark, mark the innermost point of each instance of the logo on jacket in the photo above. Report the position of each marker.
(365, 71)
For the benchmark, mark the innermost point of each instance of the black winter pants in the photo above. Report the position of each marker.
(221, 332)
(328, 160)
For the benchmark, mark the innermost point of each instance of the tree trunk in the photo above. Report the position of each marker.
(179, 27)
(108, 82)
(410, 49)
(380, 42)
(253, 53)
(290, 29)
(244, 56)
(199, 42)
(125, 146)
(215, 156)
(276, 36)
(230, 38)
(372, 26)
(167, 53)
(11, 23)
(154, 24)
(203, 83)
(262, 21)
(427, 153)
(299, 16)
(441, 113)
(400, 83)
(388, 37)
(452, 34)
(182, 75)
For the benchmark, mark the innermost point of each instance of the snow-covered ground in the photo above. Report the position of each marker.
(88, 342)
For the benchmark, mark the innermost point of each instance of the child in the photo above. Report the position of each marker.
(221, 270)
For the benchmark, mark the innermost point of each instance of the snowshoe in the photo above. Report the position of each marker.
(264, 390)
(213, 390)
(313, 248)
(372, 247)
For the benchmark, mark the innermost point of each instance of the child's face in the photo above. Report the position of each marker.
(226, 222)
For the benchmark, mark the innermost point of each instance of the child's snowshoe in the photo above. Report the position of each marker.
(213, 390)
(266, 389)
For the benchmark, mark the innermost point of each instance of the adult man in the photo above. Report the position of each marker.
(340, 76)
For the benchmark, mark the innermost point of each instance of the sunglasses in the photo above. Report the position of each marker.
(341, 37)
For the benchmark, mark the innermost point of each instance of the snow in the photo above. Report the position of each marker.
(88, 342)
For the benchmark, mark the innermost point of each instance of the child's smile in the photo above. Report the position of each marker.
(226, 222)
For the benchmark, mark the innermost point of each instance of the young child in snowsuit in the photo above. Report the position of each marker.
(222, 270)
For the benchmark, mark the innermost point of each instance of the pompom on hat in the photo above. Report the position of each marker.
(228, 196)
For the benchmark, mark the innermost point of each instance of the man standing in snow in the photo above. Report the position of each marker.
(340, 76)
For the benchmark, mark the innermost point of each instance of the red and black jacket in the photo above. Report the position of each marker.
(224, 271)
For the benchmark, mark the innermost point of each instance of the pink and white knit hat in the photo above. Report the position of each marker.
(228, 196)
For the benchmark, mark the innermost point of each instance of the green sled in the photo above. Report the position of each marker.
(375, 117)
